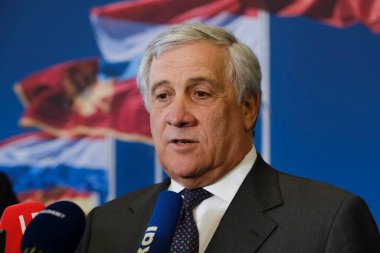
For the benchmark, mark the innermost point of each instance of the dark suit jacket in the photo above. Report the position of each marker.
(7, 196)
(271, 213)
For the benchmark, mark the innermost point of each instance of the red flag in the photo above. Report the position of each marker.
(338, 13)
(170, 11)
(67, 100)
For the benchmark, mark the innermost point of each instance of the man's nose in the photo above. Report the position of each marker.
(179, 113)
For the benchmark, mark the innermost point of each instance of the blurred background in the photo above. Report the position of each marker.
(73, 126)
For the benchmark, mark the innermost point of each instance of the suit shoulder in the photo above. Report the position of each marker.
(343, 217)
(311, 190)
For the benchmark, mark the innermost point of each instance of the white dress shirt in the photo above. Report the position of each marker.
(209, 212)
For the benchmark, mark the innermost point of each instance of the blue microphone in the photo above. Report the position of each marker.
(56, 229)
(160, 231)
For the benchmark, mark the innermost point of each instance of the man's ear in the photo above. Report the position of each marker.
(250, 108)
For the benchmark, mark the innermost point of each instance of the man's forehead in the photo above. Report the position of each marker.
(190, 44)
(197, 50)
(194, 60)
(188, 66)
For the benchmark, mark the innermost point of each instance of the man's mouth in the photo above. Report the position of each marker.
(182, 141)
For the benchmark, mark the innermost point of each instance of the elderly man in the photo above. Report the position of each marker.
(202, 90)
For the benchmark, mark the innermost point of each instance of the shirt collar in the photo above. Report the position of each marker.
(227, 186)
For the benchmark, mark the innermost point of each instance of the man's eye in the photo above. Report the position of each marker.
(162, 96)
(201, 94)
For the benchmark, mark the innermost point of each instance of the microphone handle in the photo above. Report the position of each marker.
(33, 250)
(2, 240)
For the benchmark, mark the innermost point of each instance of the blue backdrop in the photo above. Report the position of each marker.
(325, 104)
(325, 107)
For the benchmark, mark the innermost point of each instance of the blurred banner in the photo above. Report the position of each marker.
(67, 100)
(47, 169)
(339, 13)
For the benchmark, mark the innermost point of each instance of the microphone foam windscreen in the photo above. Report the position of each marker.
(14, 221)
(163, 222)
(56, 229)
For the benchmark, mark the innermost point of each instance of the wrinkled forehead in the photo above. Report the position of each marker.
(202, 58)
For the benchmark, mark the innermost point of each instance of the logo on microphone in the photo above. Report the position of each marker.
(21, 219)
(54, 213)
(148, 239)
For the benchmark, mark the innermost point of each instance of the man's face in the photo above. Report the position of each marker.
(199, 130)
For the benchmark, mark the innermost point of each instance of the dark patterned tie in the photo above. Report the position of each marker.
(186, 237)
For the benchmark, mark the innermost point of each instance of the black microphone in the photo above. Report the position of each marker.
(56, 229)
(160, 231)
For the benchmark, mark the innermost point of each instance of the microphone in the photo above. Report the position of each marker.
(160, 231)
(14, 221)
(56, 229)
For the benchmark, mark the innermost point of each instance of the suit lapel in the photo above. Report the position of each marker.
(245, 225)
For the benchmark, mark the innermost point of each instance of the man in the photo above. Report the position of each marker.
(7, 196)
(202, 89)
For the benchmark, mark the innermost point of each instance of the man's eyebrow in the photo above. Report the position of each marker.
(202, 79)
(192, 81)
(158, 84)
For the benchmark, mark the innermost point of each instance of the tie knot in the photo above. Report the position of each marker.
(192, 198)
